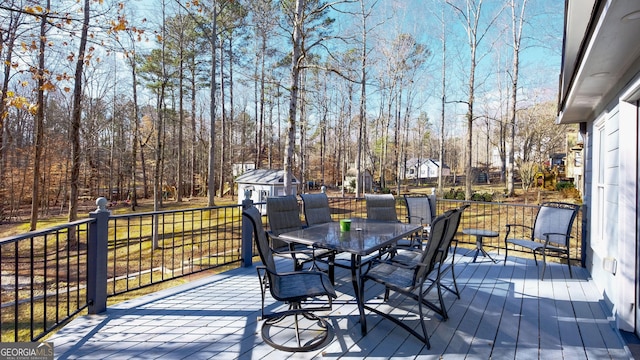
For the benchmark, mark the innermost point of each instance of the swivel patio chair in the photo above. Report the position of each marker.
(295, 289)
(409, 281)
(550, 234)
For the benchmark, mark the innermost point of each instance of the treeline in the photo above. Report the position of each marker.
(162, 99)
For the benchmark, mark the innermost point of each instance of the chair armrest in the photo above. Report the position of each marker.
(546, 235)
(521, 226)
(561, 234)
(291, 246)
(509, 226)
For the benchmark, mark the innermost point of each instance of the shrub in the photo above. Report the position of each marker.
(562, 185)
(454, 194)
(458, 194)
(487, 197)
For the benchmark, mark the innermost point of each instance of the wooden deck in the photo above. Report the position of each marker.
(504, 312)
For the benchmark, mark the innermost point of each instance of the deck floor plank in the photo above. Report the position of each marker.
(507, 336)
(505, 312)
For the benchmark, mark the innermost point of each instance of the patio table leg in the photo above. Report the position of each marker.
(355, 279)
(480, 249)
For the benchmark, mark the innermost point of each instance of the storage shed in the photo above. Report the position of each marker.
(262, 183)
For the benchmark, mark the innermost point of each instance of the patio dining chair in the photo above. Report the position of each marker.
(409, 281)
(316, 208)
(300, 290)
(549, 236)
(420, 211)
(410, 257)
(283, 213)
(317, 211)
(382, 207)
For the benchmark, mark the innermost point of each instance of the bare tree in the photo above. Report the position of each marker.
(296, 64)
(76, 115)
(264, 14)
(39, 133)
(470, 15)
(517, 21)
(8, 38)
(443, 100)
(310, 26)
(211, 188)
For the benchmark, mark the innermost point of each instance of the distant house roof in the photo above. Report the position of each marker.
(415, 162)
(263, 176)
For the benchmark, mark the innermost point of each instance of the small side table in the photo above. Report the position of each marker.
(479, 234)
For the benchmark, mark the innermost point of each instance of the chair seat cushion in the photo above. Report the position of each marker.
(407, 257)
(302, 285)
(390, 274)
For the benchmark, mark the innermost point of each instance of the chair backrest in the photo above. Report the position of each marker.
(430, 254)
(454, 216)
(316, 208)
(418, 209)
(260, 237)
(284, 214)
(381, 207)
(555, 217)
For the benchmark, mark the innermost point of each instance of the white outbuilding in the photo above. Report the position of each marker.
(261, 184)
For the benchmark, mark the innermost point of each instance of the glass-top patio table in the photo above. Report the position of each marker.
(364, 238)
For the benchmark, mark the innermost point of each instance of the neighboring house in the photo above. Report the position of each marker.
(600, 90)
(424, 169)
(574, 168)
(262, 183)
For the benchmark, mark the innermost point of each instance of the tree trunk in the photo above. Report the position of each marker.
(223, 125)
(444, 101)
(194, 137)
(516, 27)
(296, 62)
(211, 184)
(179, 185)
(77, 117)
(35, 193)
(14, 21)
(231, 112)
(136, 130)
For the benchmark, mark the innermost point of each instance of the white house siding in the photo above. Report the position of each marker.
(612, 232)
(628, 213)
